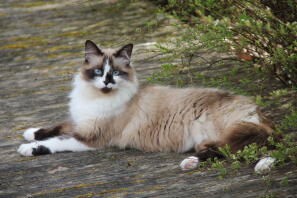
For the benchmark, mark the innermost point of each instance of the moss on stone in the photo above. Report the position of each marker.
(31, 4)
(59, 48)
(24, 159)
(90, 194)
(63, 54)
(116, 190)
(73, 34)
(137, 181)
(68, 188)
(29, 58)
(151, 189)
(24, 44)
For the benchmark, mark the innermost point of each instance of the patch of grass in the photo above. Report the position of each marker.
(290, 121)
(259, 101)
(220, 167)
(279, 93)
(284, 181)
(268, 185)
(169, 73)
(285, 153)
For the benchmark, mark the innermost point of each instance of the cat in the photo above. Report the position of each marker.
(107, 108)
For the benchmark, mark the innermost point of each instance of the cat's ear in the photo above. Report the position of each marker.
(92, 49)
(125, 52)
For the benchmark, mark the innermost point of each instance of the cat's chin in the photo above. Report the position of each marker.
(106, 90)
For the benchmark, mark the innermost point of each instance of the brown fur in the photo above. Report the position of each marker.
(208, 149)
(169, 119)
(237, 137)
(156, 119)
(60, 129)
(244, 133)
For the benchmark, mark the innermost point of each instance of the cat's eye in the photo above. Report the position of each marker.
(116, 72)
(98, 71)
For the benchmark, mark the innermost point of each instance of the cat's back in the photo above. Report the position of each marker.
(165, 96)
(158, 101)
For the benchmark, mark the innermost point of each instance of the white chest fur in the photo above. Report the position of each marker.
(86, 104)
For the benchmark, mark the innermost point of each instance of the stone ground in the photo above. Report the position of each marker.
(41, 47)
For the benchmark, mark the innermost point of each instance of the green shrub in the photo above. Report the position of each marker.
(265, 32)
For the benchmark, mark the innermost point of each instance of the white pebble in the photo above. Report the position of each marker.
(189, 163)
(264, 165)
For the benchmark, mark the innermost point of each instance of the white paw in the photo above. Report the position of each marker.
(189, 163)
(29, 134)
(264, 165)
(27, 149)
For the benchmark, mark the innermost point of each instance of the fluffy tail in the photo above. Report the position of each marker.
(245, 133)
(237, 137)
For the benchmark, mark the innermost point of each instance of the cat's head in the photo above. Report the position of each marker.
(108, 70)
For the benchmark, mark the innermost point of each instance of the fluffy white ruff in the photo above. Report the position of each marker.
(85, 104)
(29, 134)
(189, 163)
(56, 144)
(264, 165)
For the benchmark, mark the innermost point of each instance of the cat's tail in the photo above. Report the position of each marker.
(237, 137)
(244, 133)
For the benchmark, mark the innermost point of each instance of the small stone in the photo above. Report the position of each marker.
(264, 165)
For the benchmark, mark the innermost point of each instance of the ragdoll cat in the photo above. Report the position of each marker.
(107, 108)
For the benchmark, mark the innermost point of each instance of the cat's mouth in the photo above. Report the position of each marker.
(106, 89)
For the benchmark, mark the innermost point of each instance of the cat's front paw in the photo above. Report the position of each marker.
(33, 149)
(27, 149)
(29, 134)
(190, 163)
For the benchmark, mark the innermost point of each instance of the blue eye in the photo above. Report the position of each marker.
(116, 72)
(98, 71)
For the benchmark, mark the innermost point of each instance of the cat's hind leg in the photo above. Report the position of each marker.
(32, 134)
(237, 137)
(208, 149)
(53, 145)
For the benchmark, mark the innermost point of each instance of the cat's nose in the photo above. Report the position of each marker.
(108, 79)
